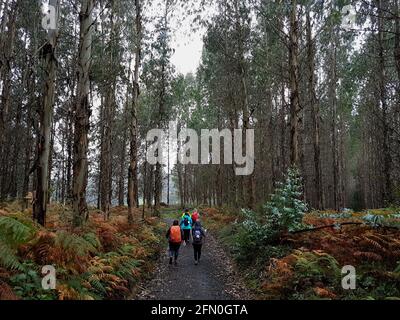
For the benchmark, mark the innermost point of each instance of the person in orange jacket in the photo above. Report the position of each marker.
(175, 238)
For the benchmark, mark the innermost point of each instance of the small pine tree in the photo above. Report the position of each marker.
(285, 210)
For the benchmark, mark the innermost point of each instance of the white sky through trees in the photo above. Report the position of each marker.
(188, 49)
(185, 31)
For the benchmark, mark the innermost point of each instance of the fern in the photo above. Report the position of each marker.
(379, 238)
(14, 232)
(374, 244)
(8, 257)
(96, 284)
(127, 269)
(73, 290)
(126, 249)
(394, 244)
(6, 292)
(317, 264)
(74, 243)
(92, 239)
(397, 270)
(369, 255)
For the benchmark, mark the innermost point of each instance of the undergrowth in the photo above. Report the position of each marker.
(308, 265)
(103, 260)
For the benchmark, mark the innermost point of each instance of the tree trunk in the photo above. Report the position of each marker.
(180, 174)
(387, 158)
(294, 86)
(82, 115)
(122, 165)
(132, 175)
(6, 62)
(109, 111)
(315, 115)
(249, 187)
(397, 43)
(168, 171)
(45, 125)
(332, 95)
(29, 138)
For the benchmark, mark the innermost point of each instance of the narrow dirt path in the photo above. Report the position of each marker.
(213, 279)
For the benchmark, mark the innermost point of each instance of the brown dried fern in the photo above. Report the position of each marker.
(6, 292)
(374, 244)
(369, 255)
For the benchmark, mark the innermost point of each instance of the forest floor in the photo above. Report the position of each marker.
(308, 265)
(112, 260)
(215, 278)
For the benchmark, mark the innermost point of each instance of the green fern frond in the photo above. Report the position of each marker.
(14, 232)
(92, 239)
(96, 284)
(74, 243)
(8, 257)
(126, 249)
(316, 264)
(126, 268)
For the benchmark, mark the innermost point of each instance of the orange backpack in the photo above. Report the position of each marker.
(175, 234)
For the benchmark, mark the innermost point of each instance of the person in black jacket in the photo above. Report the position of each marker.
(198, 235)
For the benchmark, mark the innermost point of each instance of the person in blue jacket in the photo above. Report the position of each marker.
(186, 225)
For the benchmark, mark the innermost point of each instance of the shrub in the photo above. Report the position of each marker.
(317, 265)
(284, 212)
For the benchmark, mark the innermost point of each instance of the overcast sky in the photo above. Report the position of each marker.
(188, 49)
(187, 38)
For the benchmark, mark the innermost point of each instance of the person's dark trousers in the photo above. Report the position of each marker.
(186, 234)
(174, 250)
(197, 251)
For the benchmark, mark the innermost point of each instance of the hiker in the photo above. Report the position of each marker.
(195, 217)
(186, 212)
(198, 234)
(186, 225)
(175, 237)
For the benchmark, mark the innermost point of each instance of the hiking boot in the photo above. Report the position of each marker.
(170, 260)
(196, 263)
(176, 262)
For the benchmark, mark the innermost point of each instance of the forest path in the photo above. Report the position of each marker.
(213, 279)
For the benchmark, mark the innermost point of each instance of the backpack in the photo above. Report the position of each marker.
(197, 236)
(186, 221)
(175, 234)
